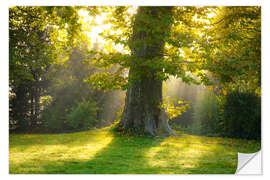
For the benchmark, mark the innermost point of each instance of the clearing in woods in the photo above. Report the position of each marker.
(102, 152)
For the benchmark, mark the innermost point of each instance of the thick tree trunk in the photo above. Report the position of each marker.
(142, 112)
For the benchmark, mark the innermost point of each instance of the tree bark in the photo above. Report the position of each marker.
(142, 112)
(37, 97)
(32, 106)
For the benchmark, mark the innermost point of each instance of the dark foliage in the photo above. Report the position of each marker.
(241, 115)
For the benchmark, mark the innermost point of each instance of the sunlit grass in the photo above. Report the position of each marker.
(99, 151)
(30, 153)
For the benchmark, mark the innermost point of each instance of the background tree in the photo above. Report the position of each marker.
(74, 104)
(37, 36)
(232, 47)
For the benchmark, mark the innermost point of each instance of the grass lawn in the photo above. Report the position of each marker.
(101, 152)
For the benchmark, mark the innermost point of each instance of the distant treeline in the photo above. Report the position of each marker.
(63, 101)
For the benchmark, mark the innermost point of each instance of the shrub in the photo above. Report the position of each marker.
(80, 116)
(84, 115)
(241, 114)
(53, 119)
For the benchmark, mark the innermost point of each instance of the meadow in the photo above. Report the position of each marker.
(103, 152)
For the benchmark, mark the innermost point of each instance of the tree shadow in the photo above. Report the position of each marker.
(123, 155)
(200, 155)
(142, 155)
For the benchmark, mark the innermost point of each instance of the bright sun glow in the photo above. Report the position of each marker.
(93, 27)
(210, 15)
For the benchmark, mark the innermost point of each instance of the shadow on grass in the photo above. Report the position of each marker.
(138, 155)
(123, 155)
(192, 156)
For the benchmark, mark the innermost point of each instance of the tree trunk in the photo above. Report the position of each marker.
(32, 106)
(37, 97)
(142, 112)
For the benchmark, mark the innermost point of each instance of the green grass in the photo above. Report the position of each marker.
(101, 152)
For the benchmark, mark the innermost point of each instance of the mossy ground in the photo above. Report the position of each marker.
(103, 152)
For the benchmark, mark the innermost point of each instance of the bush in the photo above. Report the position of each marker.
(84, 115)
(53, 120)
(80, 116)
(241, 114)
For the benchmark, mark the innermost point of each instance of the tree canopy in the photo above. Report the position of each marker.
(141, 48)
(38, 37)
(223, 42)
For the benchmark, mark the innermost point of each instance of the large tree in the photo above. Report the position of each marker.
(154, 36)
(177, 41)
(143, 97)
(160, 41)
